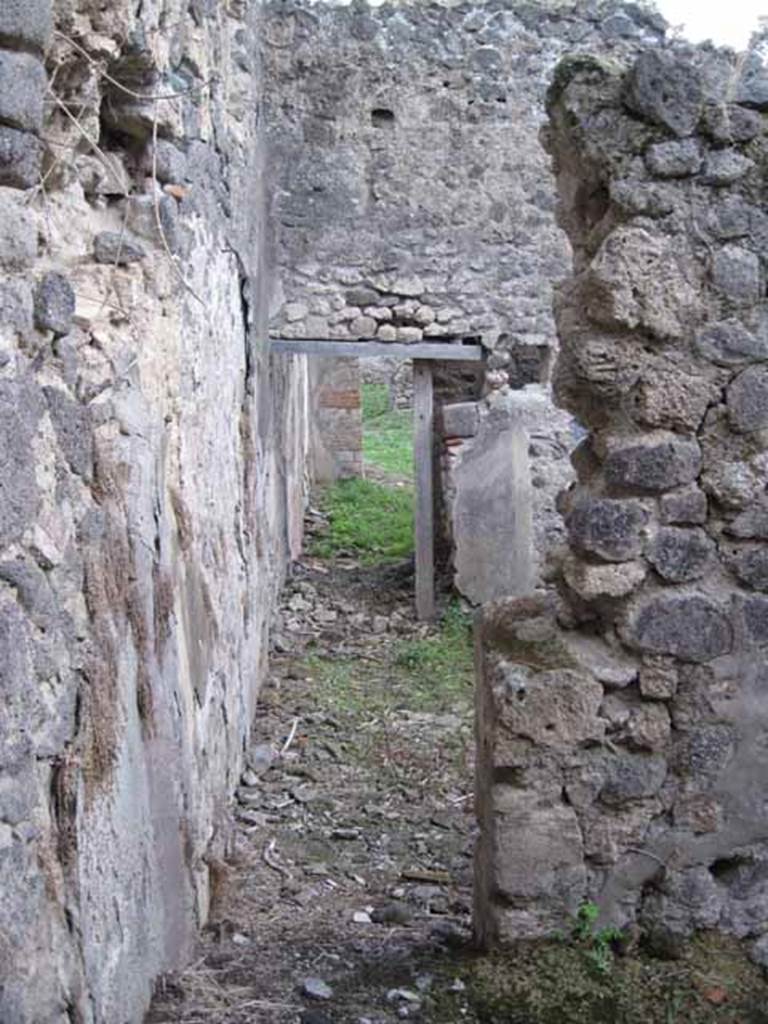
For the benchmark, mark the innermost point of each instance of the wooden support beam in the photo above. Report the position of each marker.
(362, 349)
(422, 458)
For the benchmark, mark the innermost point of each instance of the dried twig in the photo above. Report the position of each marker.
(159, 221)
(289, 741)
(268, 856)
(143, 97)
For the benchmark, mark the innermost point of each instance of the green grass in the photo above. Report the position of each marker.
(372, 522)
(429, 673)
(445, 656)
(387, 434)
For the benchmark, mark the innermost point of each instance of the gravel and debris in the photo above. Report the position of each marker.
(350, 874)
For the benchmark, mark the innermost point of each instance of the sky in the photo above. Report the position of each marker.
(728, 24)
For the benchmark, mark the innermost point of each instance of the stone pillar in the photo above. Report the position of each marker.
(623, 721)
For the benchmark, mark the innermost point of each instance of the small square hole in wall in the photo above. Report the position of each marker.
(381, 117)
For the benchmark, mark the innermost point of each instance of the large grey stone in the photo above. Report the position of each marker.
(652, 462)
(18, 238)
(20, 410)
(753, 611)
(26, 24)
(750, 565)
(607, 528)
(117, 247)
(22, 87)
(678, 158)
(54, 304)
(15, 307)
(168, 162)
(680, 555)
(747, 400)
(690, 626)
(666, 90)
(736, 273)
(727, 122)
(752, 87)
(688, 506)
(725, 166)
(752, 523)
(729, 343)
(21, 158)
(72, 424)
(704, 751)
(641, 197)
(630, 777)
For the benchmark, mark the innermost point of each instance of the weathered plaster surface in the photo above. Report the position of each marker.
(151, 485)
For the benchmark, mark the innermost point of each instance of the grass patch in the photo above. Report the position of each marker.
(371, 522)
(430, 673)
(387, 433)
(443, 659)
(554, 983)
(368, 696)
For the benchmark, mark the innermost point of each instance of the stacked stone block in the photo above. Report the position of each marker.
(623, 722)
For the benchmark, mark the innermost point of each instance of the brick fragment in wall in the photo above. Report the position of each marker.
(340, 399)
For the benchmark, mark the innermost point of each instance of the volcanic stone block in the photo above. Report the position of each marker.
(674, 159)
(680, 555)
(688, 506)
(20, 410)
(610, 529)
(648, 728)
(663, 89)
(632, 777)
(22, 86)
(652, 462)
(725, 166)
(727, 122)
(15, 307)
(21, 157)
(72, 424)
(747, 400)
(26, 24)
(689, 626)
(729, 343)
(658, 678)
(751, 524)
(18, 238)
(118, 248)
(736, 273)
(595, 582)
(750, 564)
(54, 304)
(754, 614)
(752, 87)
(703, 751)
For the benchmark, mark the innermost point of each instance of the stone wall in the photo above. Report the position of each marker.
(151, 485)
(414, 197)
(623, 721)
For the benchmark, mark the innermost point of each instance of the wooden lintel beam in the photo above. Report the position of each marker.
(440, 351)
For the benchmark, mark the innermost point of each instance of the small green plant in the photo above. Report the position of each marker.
(598, 942)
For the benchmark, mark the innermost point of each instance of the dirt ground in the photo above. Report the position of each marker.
(347, 896)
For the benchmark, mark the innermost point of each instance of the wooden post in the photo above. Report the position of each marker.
(422, 457)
